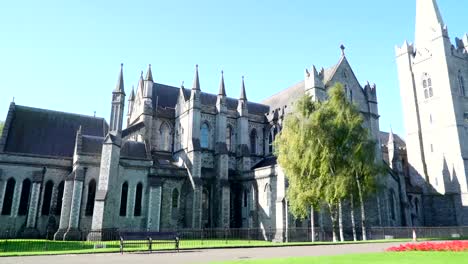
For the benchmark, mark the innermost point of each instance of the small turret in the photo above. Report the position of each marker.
(196, 80)
(313, 84)
(243, 96)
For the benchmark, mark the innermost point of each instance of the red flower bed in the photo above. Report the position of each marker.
(456, 245)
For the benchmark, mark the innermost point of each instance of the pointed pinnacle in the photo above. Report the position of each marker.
(196, 80)
(222, 88)
(243, 95)
(149, 74)
(132, 94)
(119, 88)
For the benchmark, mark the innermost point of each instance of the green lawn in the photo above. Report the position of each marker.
(379, 258)
(24, 247)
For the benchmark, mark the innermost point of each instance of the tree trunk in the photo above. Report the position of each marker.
(333, 216)
(353, 221)
(312, 224)
(340, 221)
(363, 213)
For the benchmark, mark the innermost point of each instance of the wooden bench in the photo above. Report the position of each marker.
(149, 238)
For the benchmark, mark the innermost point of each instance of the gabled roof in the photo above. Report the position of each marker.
(49, 133)
(383, 136)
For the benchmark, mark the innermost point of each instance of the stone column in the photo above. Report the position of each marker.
(131, 200)
(33, 204)
(154, 204)
(73, 232)
(66, 205)
(31, 231)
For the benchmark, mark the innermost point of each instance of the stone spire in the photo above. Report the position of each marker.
(222, 88)
(243, 95)
(391, 146)
(196, 80)
(149, 74)
(119, 88)
(132, 95)
(140, 84)
(428, 20)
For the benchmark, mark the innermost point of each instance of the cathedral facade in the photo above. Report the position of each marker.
(187, 159)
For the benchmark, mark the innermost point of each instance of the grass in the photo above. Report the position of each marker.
(378, 258)
(25, 247)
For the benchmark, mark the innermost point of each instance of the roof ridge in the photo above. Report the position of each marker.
(56, 111)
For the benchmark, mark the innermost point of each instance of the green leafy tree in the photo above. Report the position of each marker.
(1, 127)
(319, 148)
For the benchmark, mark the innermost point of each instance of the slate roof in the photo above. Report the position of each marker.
(266, 162)
(50, 133)
(91, 144)
(166, 96)
(398, 140)
(133, 149)
(286, 97)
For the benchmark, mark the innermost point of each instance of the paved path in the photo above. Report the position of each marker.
(201, 256)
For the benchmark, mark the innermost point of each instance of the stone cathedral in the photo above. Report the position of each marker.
(188, 159)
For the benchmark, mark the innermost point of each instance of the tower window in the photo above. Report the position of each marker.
(427, 86)
(253, 142)
(461, 85)
(229, 138)
(204, 135)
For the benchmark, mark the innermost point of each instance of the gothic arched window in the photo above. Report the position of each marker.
(461, 85)
(204, 135)
(229, 138)
(427, 86)
(245, 198)
(123, 199)
(8, 198)
(138, 199)
(271, 139)
(166, 139)
(253, 142)
(24, 200)
(58, 204)
(90, 199)
(175, 198)
(49, 187)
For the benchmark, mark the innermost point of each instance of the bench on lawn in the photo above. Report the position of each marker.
(149, 238)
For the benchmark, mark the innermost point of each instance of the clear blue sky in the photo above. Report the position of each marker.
(65, 55)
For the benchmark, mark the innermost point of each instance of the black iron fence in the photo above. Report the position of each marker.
(109, 240)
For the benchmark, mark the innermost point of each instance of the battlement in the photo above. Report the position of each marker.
(404, 49)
